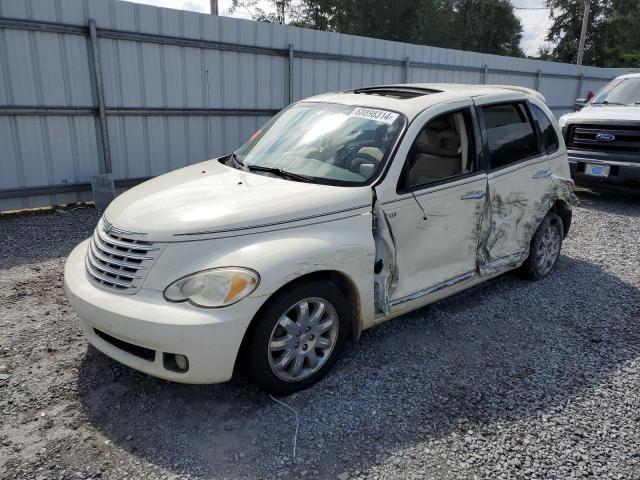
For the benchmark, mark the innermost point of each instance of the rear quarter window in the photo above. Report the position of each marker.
(550, 142)
(510, 134)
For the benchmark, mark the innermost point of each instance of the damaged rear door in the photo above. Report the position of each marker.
(430, 213)
(520, 185)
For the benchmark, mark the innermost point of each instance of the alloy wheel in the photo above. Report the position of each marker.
(548, 249)
(303, 339)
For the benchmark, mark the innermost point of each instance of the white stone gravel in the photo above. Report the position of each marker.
(509, 380)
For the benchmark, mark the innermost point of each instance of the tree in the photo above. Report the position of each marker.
(613, 34)
(276, 14)
(622, 38)
(545, 52)
(487, 26)
(567, 23)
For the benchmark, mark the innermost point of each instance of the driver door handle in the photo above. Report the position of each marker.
(472, 196)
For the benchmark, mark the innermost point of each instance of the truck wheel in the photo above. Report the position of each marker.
(545, 248)
(298, 337)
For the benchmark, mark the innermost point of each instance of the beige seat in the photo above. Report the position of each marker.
(437, 154)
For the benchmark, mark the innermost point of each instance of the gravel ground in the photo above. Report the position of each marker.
(511, 379)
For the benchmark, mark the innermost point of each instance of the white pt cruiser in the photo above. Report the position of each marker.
(345, 210)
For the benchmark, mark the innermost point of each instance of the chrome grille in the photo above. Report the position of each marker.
(117, 262)
(626, 138)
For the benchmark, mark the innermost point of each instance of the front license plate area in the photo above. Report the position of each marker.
(597, 170)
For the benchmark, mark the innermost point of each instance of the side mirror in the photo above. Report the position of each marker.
(579, 104)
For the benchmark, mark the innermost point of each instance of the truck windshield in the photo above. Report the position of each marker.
(324, 142)
(621, 91)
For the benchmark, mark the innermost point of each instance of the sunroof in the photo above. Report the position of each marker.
(396, 91)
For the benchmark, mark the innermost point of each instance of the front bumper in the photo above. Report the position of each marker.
(624, 168)
(144, 331)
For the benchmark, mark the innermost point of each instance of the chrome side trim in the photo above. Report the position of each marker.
(264, 225)
(433, 288)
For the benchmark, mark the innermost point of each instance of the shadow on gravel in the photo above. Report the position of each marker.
(626, 202)
(503, 351)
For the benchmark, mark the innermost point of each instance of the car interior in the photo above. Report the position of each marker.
(369, 157)
(440, 151)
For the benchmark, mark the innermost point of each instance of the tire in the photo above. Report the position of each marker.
(276, 347)
(545, 248)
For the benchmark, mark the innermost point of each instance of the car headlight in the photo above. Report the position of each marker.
(218, 287)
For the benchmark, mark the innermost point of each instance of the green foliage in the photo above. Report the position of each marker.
(487, 26)
(613, 35)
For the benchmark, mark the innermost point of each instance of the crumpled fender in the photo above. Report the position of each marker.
(562, 191)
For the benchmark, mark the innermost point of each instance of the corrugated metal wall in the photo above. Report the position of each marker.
(181, 87)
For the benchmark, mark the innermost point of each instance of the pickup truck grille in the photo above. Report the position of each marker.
(118, 263)
(626, 138)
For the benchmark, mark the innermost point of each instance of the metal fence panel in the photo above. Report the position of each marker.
(180, 87)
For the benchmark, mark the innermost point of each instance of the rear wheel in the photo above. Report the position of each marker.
(545, 247)
(298, 337)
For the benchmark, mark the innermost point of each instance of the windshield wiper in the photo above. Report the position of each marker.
(279, 172)
(237, 161)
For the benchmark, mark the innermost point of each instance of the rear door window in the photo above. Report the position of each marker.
(510, 134)
(550, 142)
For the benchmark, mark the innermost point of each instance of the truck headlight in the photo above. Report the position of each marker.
(562, 121)
(218, 287)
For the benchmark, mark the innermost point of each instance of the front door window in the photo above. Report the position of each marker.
(441, 151)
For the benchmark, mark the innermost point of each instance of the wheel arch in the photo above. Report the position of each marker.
(340, 279)
(562, 209)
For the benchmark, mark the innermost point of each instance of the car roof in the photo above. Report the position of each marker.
(630, 75)
(412, 98)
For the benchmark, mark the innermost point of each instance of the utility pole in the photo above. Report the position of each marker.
(583, 32)
(214, 7)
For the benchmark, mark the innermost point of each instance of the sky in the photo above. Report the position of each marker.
(535, 23)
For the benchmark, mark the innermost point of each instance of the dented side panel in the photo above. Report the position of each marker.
(386, 266)
(519, 198)
(561, 177)
(435, 235)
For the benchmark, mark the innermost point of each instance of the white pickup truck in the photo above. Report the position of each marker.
(603, 138)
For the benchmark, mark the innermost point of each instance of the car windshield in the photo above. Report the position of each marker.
(323, 142)
(621, 91)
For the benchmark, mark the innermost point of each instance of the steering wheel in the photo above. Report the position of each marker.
(345, 154)
(363, 158)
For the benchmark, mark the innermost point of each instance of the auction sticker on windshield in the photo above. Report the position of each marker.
(376, 114)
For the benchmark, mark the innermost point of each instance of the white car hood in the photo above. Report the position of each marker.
(605, 113)
(209, 199)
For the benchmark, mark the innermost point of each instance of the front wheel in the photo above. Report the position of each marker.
(298, 337)
(545, 247)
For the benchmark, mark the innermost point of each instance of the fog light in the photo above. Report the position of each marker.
(181, 362)
(175, 362)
